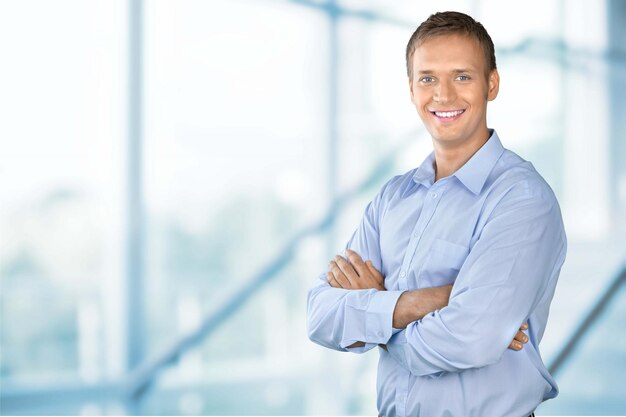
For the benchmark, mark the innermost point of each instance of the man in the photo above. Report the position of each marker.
(451, 257)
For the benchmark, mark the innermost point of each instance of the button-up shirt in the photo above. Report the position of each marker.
(494, 230)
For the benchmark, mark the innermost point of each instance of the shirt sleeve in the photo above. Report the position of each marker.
(337, 318)
(515, 260)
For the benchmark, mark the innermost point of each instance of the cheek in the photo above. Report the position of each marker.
(419, 100)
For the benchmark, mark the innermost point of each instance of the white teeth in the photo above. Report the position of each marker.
(448, 113)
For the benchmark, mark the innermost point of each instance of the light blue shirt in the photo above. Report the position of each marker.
(494, 229)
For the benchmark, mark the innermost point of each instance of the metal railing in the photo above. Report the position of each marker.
(587, 322)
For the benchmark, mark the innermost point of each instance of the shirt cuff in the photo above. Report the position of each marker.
(397, 348)
(379, 317)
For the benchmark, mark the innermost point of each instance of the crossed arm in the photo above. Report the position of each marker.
(355, 274)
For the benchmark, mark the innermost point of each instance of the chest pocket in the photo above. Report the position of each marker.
(442, 264)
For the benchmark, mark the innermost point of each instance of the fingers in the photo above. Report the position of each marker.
(338, 276)
(377, 275)
(347, 269)
(366, 270)
(368, 275)
(332, 281)
(357, 262)
(520, 339)
(353, 273)
(515, 345)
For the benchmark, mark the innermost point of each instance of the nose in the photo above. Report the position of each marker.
(444, 92)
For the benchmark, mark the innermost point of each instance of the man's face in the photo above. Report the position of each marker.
(450, 89)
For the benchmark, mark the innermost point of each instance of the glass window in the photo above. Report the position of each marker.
(61, 176)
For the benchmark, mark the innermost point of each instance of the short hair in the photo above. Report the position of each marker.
(450, 23)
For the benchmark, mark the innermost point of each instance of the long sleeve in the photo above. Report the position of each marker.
(509, 271)
(337, 318)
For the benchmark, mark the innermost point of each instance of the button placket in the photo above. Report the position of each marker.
(428, 210)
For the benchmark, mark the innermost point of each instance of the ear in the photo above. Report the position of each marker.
(494, 85)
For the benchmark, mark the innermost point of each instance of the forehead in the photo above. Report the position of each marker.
(446, 52)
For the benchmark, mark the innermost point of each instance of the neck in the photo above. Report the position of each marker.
(449, 158)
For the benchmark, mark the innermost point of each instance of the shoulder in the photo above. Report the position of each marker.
(519, 197)
(514, 178)
(398, 185)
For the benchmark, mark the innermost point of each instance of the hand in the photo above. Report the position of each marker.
(355, 274)
(520, 338)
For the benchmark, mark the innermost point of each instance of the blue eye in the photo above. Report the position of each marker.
(427, 79)
(463, 77)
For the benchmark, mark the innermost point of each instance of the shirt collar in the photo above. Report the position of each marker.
(425, 174)
(473, 173)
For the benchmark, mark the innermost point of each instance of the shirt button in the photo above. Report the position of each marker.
(416, 234)
(433, 195)
(402, 274)
(380, 334)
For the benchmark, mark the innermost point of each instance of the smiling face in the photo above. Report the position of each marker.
(450, 88)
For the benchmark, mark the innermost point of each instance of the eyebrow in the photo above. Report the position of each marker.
(456, 71)
(460, 70)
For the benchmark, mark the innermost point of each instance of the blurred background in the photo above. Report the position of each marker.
(175, 174)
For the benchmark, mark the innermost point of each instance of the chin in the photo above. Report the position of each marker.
(444, 137)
